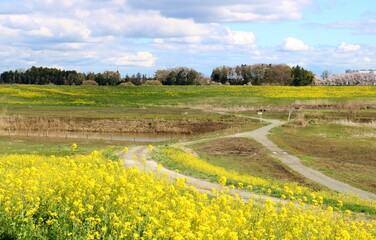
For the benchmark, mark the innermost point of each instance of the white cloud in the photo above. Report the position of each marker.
(240, 38)
(7, 33)
(215, 38)
(226, 11)
(294, 44)
(179, 40)
(158, 40)
(140, 59)
(367, 59)
(343, 47)
(301, 64)
(42, 31)
(365, 25)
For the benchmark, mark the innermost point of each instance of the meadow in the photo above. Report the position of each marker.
(144, 96)
(53, 189)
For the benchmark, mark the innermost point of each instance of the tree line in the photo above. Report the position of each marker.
(180, 76)
(257, 74)
(44, 75)
(262, 74)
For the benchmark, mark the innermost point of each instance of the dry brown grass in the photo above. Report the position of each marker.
(126, 125)
(246, 156)
(299, 120)
(90, 83)
(326, 104)
(349, 123)
(237, 109)
(334, 150)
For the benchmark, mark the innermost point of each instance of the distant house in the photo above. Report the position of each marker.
(373, 71)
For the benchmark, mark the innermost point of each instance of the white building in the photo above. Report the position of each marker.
(373, 71)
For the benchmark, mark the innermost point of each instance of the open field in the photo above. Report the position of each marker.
(225, 96)
(343, 152)
(164, 109)
(177, 109)
(62, 192)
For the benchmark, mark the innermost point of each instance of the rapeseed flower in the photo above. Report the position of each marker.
(89, 197)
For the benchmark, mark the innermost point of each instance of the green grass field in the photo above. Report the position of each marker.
(58, 146)
(32, 95)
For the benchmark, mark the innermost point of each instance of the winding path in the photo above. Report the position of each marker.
(260, 135)
(200, 184)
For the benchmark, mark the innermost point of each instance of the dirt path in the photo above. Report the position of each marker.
(201, 185)
(260, 135)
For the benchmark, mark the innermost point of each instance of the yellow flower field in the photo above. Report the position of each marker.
(290, 191)
(89, 197)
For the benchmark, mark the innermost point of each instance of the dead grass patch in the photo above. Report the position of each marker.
(350, 123)
(334, 150)
(246, 156)
(112, 125)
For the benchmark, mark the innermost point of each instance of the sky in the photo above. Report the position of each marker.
(146, 35)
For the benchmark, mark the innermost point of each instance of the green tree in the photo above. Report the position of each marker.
(216, 75)
(192, 77)
(301, 77)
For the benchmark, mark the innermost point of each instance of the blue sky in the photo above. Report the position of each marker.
(145, 35)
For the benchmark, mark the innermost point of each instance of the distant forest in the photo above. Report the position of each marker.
(257, 74)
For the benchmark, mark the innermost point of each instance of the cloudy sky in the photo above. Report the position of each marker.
(145, 35)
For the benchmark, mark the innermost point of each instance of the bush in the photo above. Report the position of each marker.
(89, 83)
(126, 84)
(152, 83)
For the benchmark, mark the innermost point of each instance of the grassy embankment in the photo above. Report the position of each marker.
(56, 146)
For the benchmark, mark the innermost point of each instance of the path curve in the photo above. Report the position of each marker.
(201, 185)
(260, 135)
